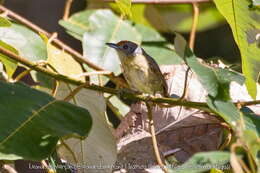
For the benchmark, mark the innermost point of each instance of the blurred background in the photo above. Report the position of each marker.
(214, 37)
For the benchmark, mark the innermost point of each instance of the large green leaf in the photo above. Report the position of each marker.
(157, 46)
(245, 26)
(32, 122)
(28, 43)
(100, 146)
(62, 62)
(215, 80)
(204, 161)
(78, 24)
(10, 65)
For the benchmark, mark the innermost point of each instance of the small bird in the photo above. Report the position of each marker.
(140, 70)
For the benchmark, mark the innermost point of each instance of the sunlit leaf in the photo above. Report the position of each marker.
(245, 26)
(10, 65)
(25, 41)
(63, 62)
(4, 22)
(125, 7)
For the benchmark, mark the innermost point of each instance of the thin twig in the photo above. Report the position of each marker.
(67, 9)
(194, 24)
(63, 46)
(55, 88)
(228, 138)
(9, 169)
(154, 140)
(185, 84)
(248, 103)
(93, 73)
(67, 147)
(22, 75)
(74, 92)
(163, 1)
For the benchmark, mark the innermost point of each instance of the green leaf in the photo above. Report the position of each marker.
(149, 34)
(251, 120)
(4, 22)
(124, 7)
(100, 146)
(229, 112)
(214, 170)
(33, 121)
(63, 62)
(78, 24)
(28, 43)
(180, 45)
(253, 143)
(226, 109)
(10, 64)
(204, 161)
(138, 14)
(94, 47)
(162, 54)
(178, 17)
(206, 74)
(157, 46)
(215, 80)
(121, 107)
(245, 26)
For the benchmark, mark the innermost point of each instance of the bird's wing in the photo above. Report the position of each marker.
(156, 69)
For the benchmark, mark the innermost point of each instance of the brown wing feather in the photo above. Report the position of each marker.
(156, 69)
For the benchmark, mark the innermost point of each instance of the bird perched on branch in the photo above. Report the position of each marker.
(140, 70)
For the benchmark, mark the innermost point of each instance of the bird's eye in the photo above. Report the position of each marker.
(125, 47)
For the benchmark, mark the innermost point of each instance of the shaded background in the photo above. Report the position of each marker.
(217, 42)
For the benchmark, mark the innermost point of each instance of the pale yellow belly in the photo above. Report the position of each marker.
(140, 77)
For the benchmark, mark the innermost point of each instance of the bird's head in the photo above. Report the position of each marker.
(126, 48)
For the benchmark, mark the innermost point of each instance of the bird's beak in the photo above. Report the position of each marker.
(113, 45)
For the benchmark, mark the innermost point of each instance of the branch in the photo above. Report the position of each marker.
(194, 24)
(67, 9)
(61, 45)
(60, 77)
(163, 1)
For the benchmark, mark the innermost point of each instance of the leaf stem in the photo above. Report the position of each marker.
(154, 140)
